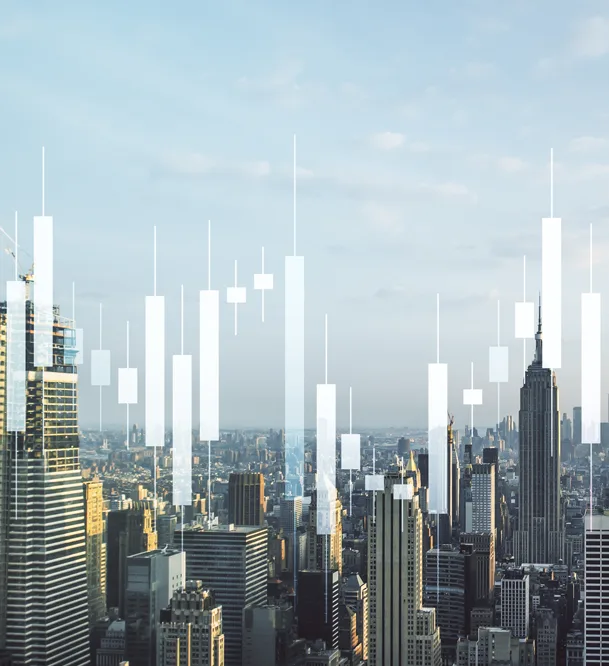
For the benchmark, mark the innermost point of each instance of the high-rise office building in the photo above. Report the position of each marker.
(232, 561)
(166, 527)
(495, 646)
(96, 550)
(325, 551)
(246, 498)
(483, 498)
(597, 590)
(355, 596)
(152, 578)
(577, 426)
(484, 549)
(4, 484)
(317, 607)
(47, 619)
(190, 631)
(268, 635)
(539, 538)
(290, 513)
(129, 532)
(402, 630)
(546, 637)
(515, 603)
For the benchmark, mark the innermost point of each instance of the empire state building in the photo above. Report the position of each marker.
(539, 539)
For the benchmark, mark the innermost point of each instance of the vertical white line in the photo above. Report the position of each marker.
(42, 181)
(551, 182)
(524, 298)
(294, 194)
(128, 435)
(326, 348)
(437, 328)
(100, 388)
(263, 289)
(209, 254)
(498, 384)
(127, 344)
(472, 405)
(182, 321)
(16, 247)
(235, 299)
(350, 410)
(350, 432)
(154, 262)
(591, 259)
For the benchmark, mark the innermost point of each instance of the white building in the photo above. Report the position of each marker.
(597, 590)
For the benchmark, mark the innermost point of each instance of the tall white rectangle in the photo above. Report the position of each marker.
(350, 451)
(80, 347)
(294, 375)
(15, 362)
(127, 386)
(498, 365)
(43, 292)
(524, 320)
(591, 368)
(326, 458)
(438, 437)
(551, 292)
(182, 430)
(100, 367)
(209, 365)
(155, 371)
(374, 482)
(403, 491)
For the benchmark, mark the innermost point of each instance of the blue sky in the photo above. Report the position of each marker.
(423, 133)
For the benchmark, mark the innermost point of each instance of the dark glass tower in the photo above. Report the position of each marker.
(539, 538)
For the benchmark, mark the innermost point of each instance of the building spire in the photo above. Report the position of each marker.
(538, 338)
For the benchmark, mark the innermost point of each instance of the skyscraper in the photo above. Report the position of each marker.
(539, 538)
(317, 608)
(96, 550)
(325, 551)
(4, 484)
(597, 590)
(402, 630)
(483, 498)
(246, 498)
(355, 595)
(191, 629)
(231, 561)
(152, 578)
(47, 605)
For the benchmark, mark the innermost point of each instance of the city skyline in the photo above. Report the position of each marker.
(364, 196)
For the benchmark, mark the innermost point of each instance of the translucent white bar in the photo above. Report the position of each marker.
(236, 295)
(403, 491)
(591, 368)
(15, 362)
(472, 397)
(498, 365)
(437, 424)
(182, 430)
(350, 451)
(80, 347)
(374, 482)
(209, 365)
(127, 386)
(551, 291)
(294, 375)
(155, 371)
(100, 367)
(326, 457)
(263, 281)
(43, 292)
(524, 319)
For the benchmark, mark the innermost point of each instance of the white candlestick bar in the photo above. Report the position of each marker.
(43, 293)
(591, 368)
(350, 451)
(294, 375)
(155, 371)
(100, 367)
(236, 296)
(551, 291)
(374, 482)
(326, 458)
(80, 347)
(437, 435)
(15, 362)
(403, 491)
(182, 430)
(209, 365)
(263, 282)
(127, 386)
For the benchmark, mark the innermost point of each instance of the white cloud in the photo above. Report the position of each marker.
(511, 164)
(591, 39)
(449, 190)
(387, 140)
(592, 172)
(418, 147)
(587, 144)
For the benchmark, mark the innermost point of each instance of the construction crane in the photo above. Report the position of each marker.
(27, 277)
(451, 419)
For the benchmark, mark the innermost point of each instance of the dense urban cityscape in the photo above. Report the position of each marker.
(97, 570)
